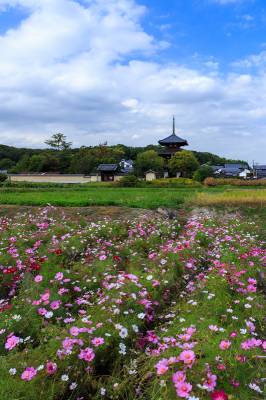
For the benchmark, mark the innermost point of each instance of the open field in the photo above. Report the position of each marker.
(146, 197)
(232, 197)
(116, 303)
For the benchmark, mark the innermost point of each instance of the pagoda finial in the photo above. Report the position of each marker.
(173, 125)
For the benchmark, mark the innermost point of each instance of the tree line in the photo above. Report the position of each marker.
(60, 157)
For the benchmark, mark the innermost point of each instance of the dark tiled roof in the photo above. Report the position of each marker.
(260, 167)
(235, 166)
(107, 167)
(173, 139)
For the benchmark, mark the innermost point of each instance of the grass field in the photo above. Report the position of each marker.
(150, 198)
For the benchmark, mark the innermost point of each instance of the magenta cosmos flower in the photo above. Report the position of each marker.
(219, 395)
(51, 367)
(87, 354)
(28, 374)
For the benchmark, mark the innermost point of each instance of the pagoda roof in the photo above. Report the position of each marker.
(173, 139)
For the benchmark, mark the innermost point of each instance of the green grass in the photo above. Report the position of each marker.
(141, 197)
(131, 197)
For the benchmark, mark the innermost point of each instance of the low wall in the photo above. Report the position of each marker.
(46, 178)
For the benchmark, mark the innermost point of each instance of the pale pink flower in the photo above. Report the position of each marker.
(59, 276)
(38, 278)
(162, 366)
(11, 342)
(188, 357)
(178, 377)
(74, 331)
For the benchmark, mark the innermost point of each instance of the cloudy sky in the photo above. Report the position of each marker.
(117, 70)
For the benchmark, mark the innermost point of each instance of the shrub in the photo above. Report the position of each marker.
(202, 173)
(3, 177)
(128, 181)
(233, 182)
(174, 182)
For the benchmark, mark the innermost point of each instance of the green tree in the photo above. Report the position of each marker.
(6, 163)
(202, 173)
(36, 163)
(185, 162)
(148, 160)
(58, 142)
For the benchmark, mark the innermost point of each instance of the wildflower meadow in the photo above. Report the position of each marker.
(144, 308)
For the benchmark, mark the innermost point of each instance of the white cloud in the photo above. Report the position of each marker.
(86, 69)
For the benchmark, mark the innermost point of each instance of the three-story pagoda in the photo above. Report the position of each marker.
(172, 144)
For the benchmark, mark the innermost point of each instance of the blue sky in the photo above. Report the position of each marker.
(117, 70)
(205, 28)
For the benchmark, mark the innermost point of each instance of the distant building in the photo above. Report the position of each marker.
(107, 172)
(126, 166)
(233, 170)
(172, 144)
(259, 171)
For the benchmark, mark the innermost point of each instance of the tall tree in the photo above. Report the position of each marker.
(58, 142)
(185, 162)
(148, 160)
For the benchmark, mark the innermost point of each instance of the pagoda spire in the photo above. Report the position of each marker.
(173, 125)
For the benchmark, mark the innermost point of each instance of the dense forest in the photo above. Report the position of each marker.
(61, 158)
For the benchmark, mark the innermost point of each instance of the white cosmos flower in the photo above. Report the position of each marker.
(123, 333)
(12, 371)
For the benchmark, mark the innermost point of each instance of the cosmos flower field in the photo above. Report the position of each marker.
(136, 308)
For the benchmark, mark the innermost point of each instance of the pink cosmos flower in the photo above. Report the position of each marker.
(219, 395)
(59, 276)
(97, 341)
(51, 367)
(74, 331)
(183, 389)
(28, 374)
(178, 377)
(225, 344)
(45, 296)
(102, 257)
(55, 304)
(42, 311)
(210, 382)
(87, 354)
(38, 278)
(188, 357)
(162, 366)
(251, 288)
(11, 342)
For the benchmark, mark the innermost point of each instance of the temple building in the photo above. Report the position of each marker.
(172, 144)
